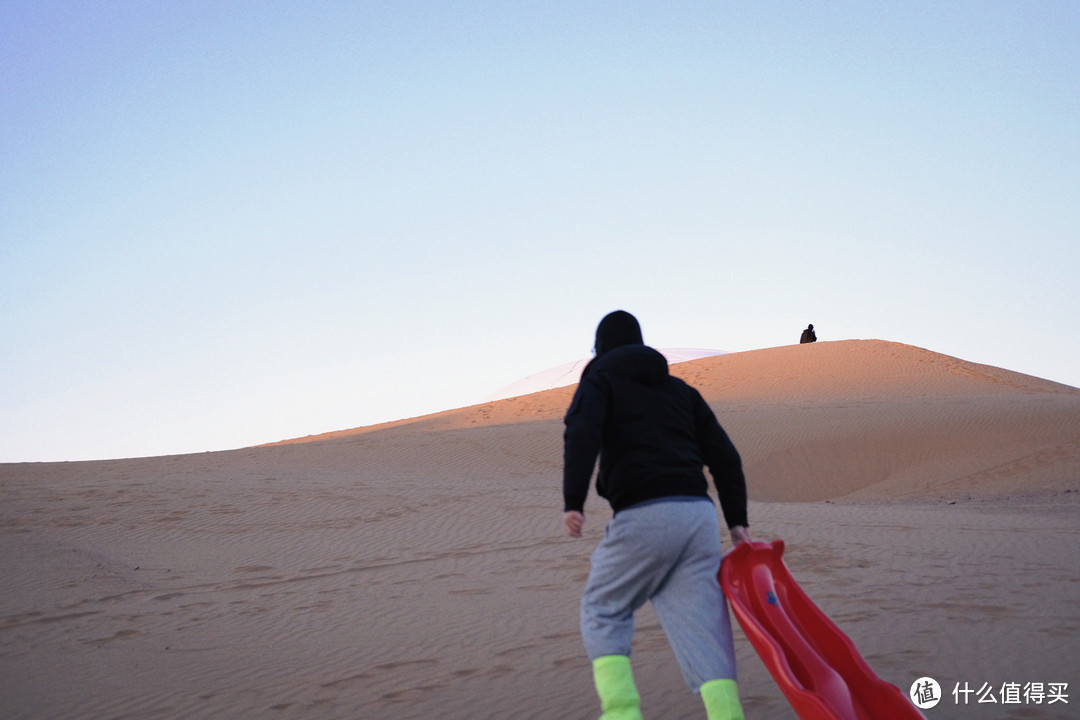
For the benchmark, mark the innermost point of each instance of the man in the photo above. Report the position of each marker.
(653, 434)
(808, 335)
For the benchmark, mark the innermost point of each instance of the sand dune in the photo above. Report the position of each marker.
(570, 373)
(805, 416)
(417, 569)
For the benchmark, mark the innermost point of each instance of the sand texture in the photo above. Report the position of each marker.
(418, 569)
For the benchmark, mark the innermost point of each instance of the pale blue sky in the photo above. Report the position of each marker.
(227, 223)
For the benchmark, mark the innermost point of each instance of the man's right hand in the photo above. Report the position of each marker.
(574, 522)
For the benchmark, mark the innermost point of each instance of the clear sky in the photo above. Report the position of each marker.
(228, 223)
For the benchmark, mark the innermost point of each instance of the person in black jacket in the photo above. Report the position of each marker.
(653, 434)
(808, 335)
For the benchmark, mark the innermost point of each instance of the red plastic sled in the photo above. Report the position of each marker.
(816, 665)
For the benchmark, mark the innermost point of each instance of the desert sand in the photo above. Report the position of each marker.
(418, 569)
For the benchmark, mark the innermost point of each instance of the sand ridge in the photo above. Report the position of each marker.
(804, 416)
(418, 568)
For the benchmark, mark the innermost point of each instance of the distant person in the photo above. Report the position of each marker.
(653, 434)
(808, 335)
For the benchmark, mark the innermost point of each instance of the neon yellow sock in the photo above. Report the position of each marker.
(721, 699)
(619, 697)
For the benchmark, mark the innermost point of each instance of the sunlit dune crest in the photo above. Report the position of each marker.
(863, 417)
(570, 373)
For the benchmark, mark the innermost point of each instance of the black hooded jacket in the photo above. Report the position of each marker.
(653, 433)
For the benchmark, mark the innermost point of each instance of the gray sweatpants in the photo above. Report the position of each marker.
(666, 552)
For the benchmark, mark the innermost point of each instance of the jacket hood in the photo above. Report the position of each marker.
(639, 363)
(616, 330)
